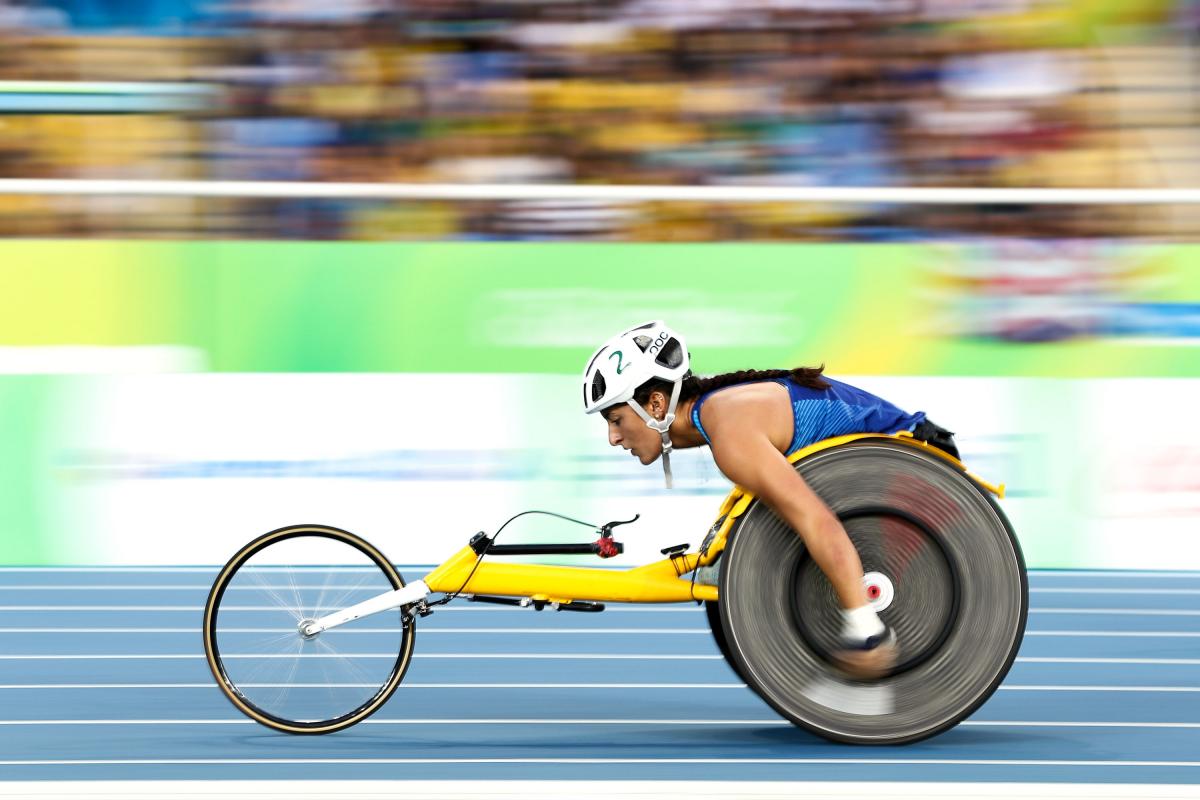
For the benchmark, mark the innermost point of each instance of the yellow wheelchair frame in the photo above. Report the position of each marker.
(658, 582)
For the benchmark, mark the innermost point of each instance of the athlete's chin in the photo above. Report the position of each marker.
(648, 460)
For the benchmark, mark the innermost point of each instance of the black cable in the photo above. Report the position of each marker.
(700, 554)
(495, 536)
(692, 586)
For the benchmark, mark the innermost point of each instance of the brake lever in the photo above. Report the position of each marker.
(606, 531)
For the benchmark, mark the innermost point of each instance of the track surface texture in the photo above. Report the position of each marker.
(103, 677)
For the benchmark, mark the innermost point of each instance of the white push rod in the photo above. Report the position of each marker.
(410, 593)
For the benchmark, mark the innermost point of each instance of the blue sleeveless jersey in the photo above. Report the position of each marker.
(836, 411)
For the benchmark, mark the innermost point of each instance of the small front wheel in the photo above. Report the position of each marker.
(268, 668)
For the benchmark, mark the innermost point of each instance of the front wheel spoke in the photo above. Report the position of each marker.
(258, 668)
(296, 594)
(342, 599)
(264, 644)
(356, 672)
(287, 681)
(280, 603)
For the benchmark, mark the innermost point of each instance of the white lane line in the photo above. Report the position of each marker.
(376, 721)
(1136, 612)
(1100, 573)
(607, 789)
(441, 610)
(214, 569)
(1105, 634)
(428, 630)
(555, 656)
(18, 587)
(405, 685)
(551, 656)
(1050, 724)
(1079, 688)
(974, 762)
(1048, 660)
(610, 609)
(209, 570)
(1060, 590)
(190, 609)
(425, 630)
(1114, 590)
(576, 686)
(555, 721)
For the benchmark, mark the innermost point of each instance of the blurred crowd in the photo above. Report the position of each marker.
(987, 93)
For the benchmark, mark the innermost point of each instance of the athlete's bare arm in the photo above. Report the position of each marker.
(749, 431)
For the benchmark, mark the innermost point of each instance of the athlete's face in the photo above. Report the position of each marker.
(628, 431)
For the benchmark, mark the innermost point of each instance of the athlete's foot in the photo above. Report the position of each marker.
(871, 660)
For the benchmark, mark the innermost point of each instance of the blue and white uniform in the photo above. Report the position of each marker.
(836, 411)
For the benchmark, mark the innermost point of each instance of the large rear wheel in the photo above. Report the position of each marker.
(944, 570)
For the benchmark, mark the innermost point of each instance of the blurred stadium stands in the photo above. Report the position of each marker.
(998, 93)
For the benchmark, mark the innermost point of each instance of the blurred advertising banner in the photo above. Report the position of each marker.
(996, 307)
(184, 468)
(162, 403)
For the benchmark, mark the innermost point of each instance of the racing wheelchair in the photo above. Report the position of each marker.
(335, 630)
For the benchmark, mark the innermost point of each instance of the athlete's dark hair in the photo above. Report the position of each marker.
(694, 386)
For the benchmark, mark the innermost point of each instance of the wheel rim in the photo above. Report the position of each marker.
(268, 668)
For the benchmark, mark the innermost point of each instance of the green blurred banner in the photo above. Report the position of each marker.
(997, 308)
(137, 426)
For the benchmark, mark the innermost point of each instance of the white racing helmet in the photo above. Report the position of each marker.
(628, 360)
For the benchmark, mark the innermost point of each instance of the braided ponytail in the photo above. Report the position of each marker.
(805, 376)
(694, 386)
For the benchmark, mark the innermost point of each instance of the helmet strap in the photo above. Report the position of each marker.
(663, 427)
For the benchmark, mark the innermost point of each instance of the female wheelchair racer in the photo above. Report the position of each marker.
(753, 420)
(867, 587)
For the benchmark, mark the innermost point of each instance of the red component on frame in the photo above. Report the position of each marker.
(607, 548)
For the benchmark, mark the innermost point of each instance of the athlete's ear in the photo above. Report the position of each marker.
(658, 405)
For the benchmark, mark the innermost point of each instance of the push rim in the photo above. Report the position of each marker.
(250, 679)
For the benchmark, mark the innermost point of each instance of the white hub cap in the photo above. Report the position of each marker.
(880, 591)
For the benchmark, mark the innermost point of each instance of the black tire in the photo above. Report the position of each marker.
(296, 708)
(712, 612)
(961, 597)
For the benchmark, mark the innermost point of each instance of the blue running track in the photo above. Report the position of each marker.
(102, 677)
